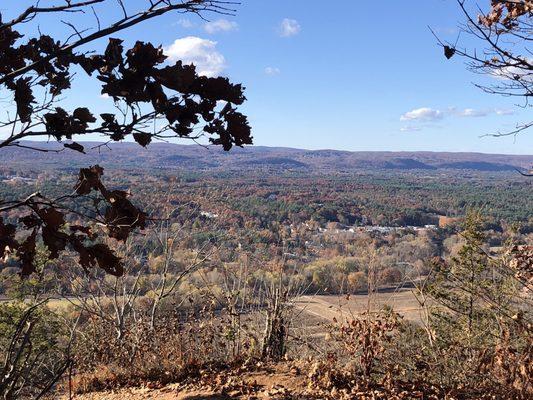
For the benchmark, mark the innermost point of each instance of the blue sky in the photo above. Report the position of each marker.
(350, 75)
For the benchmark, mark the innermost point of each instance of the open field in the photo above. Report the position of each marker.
(326, 307)
(402, 301)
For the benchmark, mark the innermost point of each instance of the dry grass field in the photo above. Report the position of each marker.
(403, 301)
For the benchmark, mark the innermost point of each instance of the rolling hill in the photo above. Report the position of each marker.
(197, 158)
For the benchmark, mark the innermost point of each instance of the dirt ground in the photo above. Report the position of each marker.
(268, 383)
(313, 313)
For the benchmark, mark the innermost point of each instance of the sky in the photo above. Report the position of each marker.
(347, 75)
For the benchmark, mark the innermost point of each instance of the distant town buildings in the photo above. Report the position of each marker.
(17, 180)
(378, 229)
(208, 214)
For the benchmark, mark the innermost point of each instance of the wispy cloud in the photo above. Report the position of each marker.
(470, 112)
(220, 25)
(200, 52)
(446, 30)
(426, 114)
(272, 71)
(289, 27)
(504, 111)
(423, 117)
(473, 113)
(185, 23)
(515, 73)
(410, 128)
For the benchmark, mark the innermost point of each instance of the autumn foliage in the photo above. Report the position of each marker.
(153, 100)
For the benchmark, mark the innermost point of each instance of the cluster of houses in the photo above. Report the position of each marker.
(335, 227)
(17, 180)
(379, 229)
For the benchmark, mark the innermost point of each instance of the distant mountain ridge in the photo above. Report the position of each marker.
(194, 157)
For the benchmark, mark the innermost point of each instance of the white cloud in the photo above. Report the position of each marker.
(200, 52)
(422, 114)
(272, 71)
(515, 73)
(410, 128)
(185, 23)
(501, 111)
(289, 27)
(446, 30)
(470, 112)
(426, 114)
(220, 25)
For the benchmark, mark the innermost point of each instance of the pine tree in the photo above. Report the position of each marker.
(459, 286)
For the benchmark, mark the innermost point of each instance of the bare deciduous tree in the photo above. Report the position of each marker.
(504, 32)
